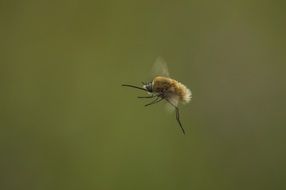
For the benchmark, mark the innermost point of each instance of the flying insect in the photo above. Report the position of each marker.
(162, 87)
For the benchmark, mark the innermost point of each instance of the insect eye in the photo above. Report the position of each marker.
(149, 87)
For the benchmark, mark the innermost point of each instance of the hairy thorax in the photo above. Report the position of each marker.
(170, 87)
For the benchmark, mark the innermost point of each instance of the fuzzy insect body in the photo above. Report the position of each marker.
(162, 87)
(171, 89)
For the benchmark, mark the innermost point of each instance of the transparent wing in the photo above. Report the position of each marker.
(174, 101)
(160, 68)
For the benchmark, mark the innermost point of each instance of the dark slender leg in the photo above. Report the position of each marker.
(146, 96)
(157, 100)
(177, 115)
(178, 119)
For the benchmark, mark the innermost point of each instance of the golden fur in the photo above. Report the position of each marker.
(173, 89)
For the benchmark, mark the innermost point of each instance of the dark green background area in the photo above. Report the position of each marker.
(66, 123)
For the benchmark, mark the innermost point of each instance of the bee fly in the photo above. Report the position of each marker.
(164, 88)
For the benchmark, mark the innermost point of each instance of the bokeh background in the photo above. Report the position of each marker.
(66, 123)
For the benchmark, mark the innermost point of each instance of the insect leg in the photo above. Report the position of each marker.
(146, 96)
(153, 95)
(178, 119)
(157, 100)
(177, 115)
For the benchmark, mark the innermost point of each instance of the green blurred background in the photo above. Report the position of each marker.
(66, 123)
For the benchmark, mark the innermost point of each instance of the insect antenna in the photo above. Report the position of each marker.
(132, 86)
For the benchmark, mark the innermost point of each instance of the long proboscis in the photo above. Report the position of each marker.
(132, 86)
